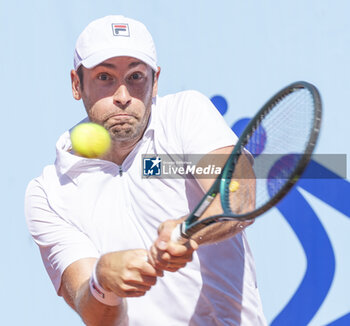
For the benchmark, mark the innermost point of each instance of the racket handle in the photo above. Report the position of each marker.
(176, 235)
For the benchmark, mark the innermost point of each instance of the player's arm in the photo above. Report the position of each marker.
(75, 290)
(245, 196)
(121, 274)
(171, 256)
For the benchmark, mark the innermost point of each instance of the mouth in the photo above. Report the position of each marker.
(120, 115)
(123, 115)
(119, 119)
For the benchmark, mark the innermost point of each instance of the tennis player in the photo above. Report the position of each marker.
(104, 231)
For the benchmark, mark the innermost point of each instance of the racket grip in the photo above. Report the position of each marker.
(176, 235)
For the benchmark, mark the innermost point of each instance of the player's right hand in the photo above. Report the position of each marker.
(126, 273)
(168, 255)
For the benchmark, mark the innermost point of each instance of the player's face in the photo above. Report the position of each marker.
(118, 95)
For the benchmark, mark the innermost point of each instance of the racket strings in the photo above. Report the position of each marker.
(288, 125)
(241, 194)
(277, 143)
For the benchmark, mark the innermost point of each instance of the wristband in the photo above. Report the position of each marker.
(100, 294)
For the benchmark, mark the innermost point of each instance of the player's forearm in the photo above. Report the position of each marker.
(224, 230)
(95, 313)
(219, 232)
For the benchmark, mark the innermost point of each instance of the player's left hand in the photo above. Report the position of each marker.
(168, 255)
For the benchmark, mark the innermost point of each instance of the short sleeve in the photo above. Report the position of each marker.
(202, 127)
(60, 242)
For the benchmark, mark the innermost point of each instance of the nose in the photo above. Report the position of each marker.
(122, 97)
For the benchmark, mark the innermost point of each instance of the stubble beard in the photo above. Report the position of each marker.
(130, 133)
(133, 132)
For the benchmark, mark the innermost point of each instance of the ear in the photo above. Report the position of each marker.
(76, 89)
(155, 83)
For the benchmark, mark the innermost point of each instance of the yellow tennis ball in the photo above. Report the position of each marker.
(90, 140)
(234, 185)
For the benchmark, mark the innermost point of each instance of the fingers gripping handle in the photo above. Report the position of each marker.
(177, 235)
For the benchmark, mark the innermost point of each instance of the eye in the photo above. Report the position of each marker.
(136, 76)
(104, 76)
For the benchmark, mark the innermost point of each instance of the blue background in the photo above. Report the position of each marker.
(243, 51)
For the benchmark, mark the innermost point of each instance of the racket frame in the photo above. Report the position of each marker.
(192, 225)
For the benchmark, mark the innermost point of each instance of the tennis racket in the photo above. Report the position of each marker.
(272, 152)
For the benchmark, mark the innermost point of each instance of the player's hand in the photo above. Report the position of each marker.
(127, 273)
(168, 255)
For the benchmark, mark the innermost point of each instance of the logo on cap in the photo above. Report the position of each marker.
(120, 29)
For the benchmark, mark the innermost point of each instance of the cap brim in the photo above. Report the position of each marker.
(103, 55)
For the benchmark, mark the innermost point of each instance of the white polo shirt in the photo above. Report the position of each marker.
(82, 208)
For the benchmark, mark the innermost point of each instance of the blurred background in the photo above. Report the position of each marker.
(238, 53)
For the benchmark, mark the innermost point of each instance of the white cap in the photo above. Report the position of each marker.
(114, 36)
